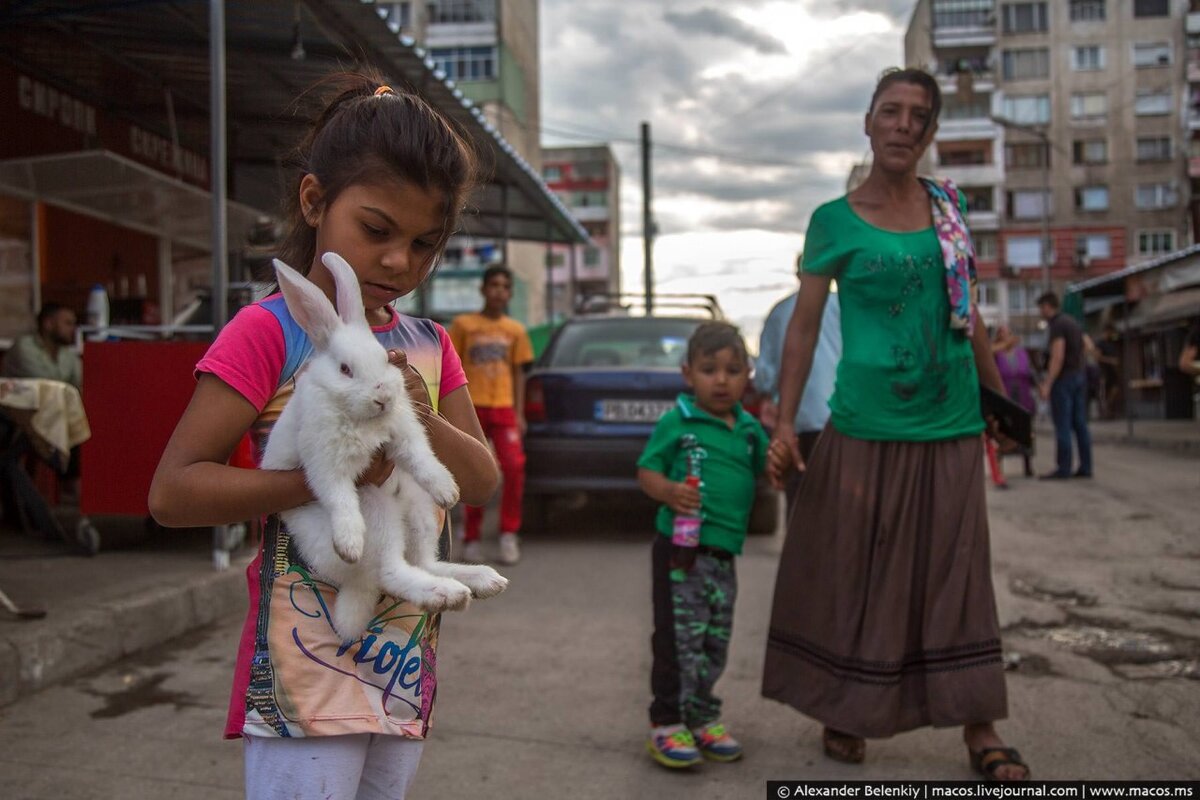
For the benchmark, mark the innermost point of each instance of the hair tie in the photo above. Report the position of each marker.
(384, 89)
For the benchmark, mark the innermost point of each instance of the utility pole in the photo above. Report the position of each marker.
(216, 156)
(647, 220)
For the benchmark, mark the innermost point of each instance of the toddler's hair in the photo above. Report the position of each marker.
(368, 133)
(711, 337)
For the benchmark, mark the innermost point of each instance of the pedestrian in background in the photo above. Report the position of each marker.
(495, 349)
(1016, 371)
(381, 178)
(884, 617)
(709, 437)
(1065, 385)
(1108, 356)
(813, 412)
(1189, 356)
(49, 352)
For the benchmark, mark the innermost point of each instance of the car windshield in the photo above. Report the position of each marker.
(640, 343)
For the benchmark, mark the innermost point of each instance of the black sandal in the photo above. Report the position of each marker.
(990, 759)
(844, 747)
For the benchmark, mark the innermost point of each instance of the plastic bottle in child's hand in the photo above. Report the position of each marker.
(685, 535)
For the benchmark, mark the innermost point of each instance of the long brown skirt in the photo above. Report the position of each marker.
(884, 617)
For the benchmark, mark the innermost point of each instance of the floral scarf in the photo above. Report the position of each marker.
(957, 253)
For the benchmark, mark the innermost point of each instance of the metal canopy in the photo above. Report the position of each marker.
(146, 61)
(1183, 261)
(113, 188)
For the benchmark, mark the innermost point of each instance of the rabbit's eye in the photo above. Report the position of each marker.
(349, 373)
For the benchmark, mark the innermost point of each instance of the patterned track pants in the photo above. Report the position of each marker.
(693, 620)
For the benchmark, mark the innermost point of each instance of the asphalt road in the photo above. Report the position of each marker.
(543, 690)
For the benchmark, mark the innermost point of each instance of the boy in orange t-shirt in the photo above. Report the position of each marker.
(494, 349)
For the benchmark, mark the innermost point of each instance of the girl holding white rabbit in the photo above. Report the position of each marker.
(382, 177)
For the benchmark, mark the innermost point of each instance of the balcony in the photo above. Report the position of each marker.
(980, 34)
(984, 81)
(1193, 70)
(1192, 24)
(971, 174)
(1194, 167)
(952, 130)
(983, 220)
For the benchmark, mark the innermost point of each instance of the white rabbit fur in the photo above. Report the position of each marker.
(374, 538)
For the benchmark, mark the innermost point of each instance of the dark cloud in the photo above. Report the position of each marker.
(899, 11)
(715, 22)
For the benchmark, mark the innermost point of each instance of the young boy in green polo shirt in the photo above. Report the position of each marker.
(709, 436)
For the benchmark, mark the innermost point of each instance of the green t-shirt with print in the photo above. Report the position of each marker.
(904, 374)
(730, 460)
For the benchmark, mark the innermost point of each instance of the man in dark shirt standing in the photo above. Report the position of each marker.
(1065, 386)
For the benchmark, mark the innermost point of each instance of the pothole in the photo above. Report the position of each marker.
(1029, 664)
(1137, 655)
(1050, 591)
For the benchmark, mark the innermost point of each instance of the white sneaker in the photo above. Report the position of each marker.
(472, 553)
(510, 551)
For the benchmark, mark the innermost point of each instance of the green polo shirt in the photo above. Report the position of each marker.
(731, 458)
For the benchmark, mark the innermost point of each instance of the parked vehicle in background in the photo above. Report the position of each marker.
(592, 400)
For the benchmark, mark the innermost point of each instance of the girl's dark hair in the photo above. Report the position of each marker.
(917, 77)
(711, 337)
(369, 134)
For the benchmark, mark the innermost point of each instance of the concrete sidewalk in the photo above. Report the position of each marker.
(125, 601)
(105, 607)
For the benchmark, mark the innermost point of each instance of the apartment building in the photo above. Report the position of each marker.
(1063, 123)
(587, 180)
(489, 48)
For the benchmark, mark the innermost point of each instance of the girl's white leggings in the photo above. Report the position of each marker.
(363, 766)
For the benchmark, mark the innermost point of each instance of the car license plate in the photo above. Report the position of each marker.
(632, 410)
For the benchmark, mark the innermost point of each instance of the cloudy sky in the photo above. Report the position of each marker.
(755, 108)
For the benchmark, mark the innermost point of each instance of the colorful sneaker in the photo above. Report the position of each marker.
(673, 746)
(472, 553)
(510, 550)
(716, 743)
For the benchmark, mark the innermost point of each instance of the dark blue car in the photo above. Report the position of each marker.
(591, 402)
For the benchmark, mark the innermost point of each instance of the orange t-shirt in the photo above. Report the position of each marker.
(489, 349)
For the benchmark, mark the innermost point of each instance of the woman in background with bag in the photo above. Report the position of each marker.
(884, 617)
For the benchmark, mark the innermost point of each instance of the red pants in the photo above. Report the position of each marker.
(500, 425)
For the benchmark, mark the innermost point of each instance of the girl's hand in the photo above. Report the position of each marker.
(783, 455)
(683, 499)
(413, 382)
(377, 472)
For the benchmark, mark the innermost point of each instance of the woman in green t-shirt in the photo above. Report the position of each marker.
(884, 617)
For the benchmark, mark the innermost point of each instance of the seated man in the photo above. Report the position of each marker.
(47, 353)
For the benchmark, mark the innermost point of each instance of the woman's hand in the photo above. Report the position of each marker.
(414, 384)
(783, 455)
(683, 499)
(377, 472)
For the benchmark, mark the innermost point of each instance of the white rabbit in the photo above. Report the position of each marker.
(349, 401)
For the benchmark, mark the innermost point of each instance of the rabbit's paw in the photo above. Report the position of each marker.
(482, 581)
(442, 488)
(349, 537)
(440, 594)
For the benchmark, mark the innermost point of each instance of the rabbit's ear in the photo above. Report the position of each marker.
(309, 306)
(349, 293)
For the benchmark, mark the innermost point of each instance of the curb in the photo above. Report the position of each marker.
(33, 658)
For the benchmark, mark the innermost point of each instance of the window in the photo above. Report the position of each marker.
(985, 246)
(1087, 58)
(962, 13)
(462, 11)
(552, 173)
(964, 154)
(1155, 195)
(1151, 243)
(397, 15)
(1087, 10)
(1091, 198)
(1151, 8)
(1093, 246)
(1025, 18)
(979, 198)
(1154, 148)
(466, 63)
(1027, 155)
(989, 293)
(1020, 65)
(591, 256)
(590, 200)
(1152, 54)
(1089, 107)
(1090, 151)
(1022, 252)
(1028, 110)
(1027, 204)
(1152, 102)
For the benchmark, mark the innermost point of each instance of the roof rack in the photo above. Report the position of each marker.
(627, 303)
